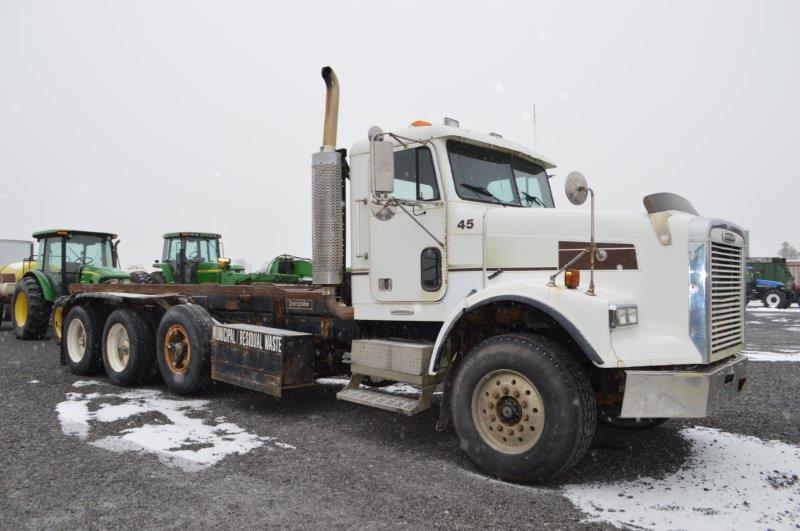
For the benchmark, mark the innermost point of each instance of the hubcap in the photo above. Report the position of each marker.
(177, 349)
(58, 323)
(76, 340)
(773, 300)
(118, 347)
(508, 411)
(21, 309)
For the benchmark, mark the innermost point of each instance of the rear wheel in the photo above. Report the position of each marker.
(157, 277)
(183, 350)
(83, 341)
(774, 298)
(31, 312)
(141, 277)
(127, 347)
(522, 408)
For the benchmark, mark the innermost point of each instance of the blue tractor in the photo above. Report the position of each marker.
(771, 293)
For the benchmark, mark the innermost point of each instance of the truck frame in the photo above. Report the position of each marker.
(463, 277)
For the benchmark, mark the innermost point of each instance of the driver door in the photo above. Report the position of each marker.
(406, 260)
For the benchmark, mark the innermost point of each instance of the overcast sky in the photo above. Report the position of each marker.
(143, 117)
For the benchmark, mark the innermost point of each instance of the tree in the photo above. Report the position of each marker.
(787, 251)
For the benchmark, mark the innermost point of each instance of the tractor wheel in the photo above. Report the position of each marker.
(774, 298)
(609, 416)
(183, 348)
(522, 408)
(31, 312)
(141, 277)
(127, 347)
(157, 277)
(57, 319)
(83, 330)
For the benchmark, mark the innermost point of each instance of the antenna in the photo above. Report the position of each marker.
(534, 128)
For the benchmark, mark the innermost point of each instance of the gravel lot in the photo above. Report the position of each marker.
(78, 453)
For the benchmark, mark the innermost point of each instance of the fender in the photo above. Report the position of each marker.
(47, 287)
(585, 318)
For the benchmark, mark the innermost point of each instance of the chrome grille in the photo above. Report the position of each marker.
(727, 298)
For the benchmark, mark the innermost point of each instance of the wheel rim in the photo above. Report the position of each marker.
(21, 309)
(58, 322)
(118, 347)
(508, 411)
(773, 300)
(177, 349)
(76, 340)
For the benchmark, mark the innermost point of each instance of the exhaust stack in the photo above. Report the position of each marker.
(327, 201)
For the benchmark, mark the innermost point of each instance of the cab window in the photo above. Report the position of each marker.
(414, 175)
(52, 255)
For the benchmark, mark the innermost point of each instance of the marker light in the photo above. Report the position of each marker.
(572, 278)
(420, 123)
(622, 315)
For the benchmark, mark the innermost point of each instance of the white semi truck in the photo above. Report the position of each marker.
(533, 321)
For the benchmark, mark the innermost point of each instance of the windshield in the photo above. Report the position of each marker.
(201, 250)
(490, 176)
(87, 250)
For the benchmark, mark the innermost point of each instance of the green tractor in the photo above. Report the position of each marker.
(64, 257)
(196, 258)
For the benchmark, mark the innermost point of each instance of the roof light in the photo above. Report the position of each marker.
(452, 122)
(420, 123)
(61, 233)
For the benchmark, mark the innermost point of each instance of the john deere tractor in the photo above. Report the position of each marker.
(64, 257)
(196, 258)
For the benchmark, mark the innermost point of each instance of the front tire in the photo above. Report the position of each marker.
(522, 408)
(183, 350)
(83, 341)
(774, 298)
(30, 311)
(127, 348)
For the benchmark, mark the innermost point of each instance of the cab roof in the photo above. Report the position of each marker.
(57, 233)
(430, 132)
(189, 234)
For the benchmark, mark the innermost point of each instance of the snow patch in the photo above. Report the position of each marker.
(33, 382)
(398, 388)
(757, 355)
(86, 383)
(762, 309)
(179, 435)
(730, 481)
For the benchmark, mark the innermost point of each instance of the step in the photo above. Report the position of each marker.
(409, 406)
(400, 360)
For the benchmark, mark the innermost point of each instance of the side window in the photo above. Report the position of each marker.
(431, 269)
(173, 249)
(52, 255)
(414, 175)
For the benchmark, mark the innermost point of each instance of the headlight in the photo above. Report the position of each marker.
(622, 315)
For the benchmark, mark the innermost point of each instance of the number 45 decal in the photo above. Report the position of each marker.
(465, 224)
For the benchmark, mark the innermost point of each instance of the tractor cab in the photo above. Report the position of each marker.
(192, 257)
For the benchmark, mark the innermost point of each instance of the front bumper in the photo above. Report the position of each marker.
(683, 393)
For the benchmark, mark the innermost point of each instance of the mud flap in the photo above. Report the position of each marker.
(260, 358)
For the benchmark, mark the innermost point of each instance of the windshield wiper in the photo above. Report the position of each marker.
(483, 191)
(533, 198)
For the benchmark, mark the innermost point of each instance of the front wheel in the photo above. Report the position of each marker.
(774, 298)
(522, 408)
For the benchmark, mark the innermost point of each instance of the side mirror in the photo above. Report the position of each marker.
(381, 156)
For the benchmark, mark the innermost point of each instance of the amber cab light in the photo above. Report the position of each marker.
(420, 123)
(572, 278)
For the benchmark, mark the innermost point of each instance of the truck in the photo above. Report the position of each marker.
(64, 257)
(12, 255)
(197, 258)
(523, 324)
(773, 281)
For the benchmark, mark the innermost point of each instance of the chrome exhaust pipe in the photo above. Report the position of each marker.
(331, 109)
(327, 208)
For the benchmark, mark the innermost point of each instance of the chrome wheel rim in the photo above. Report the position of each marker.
(508, 411)
(118, 347)
(773, 300)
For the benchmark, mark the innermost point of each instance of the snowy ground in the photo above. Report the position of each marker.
(83, 453)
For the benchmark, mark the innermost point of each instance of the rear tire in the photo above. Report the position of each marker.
(774, 298)
(609, 415)
(183, 350)
(537, 422)
(82, 341)
(30, 311)
(127, 348)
